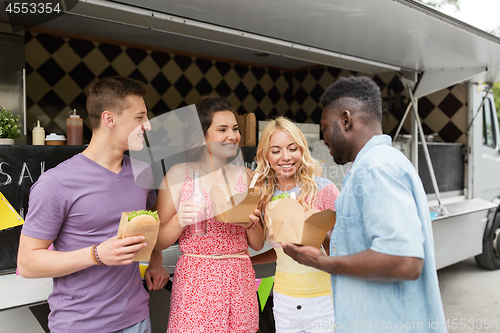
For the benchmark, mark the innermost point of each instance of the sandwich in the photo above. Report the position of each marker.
(143, 217)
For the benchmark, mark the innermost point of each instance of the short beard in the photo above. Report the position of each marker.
(340, 143)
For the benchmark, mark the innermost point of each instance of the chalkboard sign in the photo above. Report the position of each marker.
(20, 167)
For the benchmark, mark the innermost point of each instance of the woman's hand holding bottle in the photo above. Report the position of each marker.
(187, 212)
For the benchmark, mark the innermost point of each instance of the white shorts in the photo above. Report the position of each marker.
(303, 315)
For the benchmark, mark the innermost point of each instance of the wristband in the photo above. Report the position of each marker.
(97, 255)
(92, 254)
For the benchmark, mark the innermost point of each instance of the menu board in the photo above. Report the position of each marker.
(20, 167)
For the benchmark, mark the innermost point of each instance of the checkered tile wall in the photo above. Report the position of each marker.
(60, 69)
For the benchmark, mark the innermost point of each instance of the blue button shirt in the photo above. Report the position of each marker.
(383, 207)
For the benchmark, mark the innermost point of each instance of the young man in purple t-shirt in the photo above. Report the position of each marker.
(77, 206)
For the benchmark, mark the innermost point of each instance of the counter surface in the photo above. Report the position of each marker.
(16, 291)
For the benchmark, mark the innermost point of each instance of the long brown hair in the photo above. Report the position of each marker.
(304, 177)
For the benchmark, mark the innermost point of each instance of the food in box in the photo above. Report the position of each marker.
(238, 208)
(287, 222)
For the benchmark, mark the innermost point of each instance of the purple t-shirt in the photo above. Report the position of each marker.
(77, 204)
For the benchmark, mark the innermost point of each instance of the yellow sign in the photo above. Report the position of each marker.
(9, 218)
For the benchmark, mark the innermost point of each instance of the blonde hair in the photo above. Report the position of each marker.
(304, 177)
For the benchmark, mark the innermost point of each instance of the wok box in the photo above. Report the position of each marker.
(238, 208)
(287, 222)
(150, 231)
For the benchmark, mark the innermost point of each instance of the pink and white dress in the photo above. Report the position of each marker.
(213, 295)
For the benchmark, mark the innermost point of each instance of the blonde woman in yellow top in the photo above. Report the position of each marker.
(302, 294)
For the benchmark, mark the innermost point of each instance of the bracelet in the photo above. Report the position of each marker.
(252, 226)
(92, 256)
(97, 255)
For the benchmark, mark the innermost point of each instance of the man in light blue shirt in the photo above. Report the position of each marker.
(381, 251)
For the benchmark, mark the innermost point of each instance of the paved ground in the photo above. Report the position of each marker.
(471, 295)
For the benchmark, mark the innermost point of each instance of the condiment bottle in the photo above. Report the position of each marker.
(38, 135)
(199, 227)
(74, 128)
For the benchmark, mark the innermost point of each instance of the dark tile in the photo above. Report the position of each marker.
(274, 114)
(450, 105)
(81, 47)
(289, 114)
(80, 104)
(29, 69)
(258, 93)
(241, 70)
(223, 89)
(317, 73)
(183, 62)
(51, 104)
(427, 129)
(300, 95)
(301, 116)
(274, 94)
(51, 72)
(241, 91)
(396, 86)
(109, 71)
(381, 84)
(425, 107)
(204, 64)
(29, 102)
(316, 115)
(183, 85)
(203, 87)
(160, 108)
(82, 75)
(274, 74)
(316, 93)
(136, 55)
(258, 72)
(334, 71)
(110, 51)
(160, 58)
(242, 110)
(137, 75)
(27, 36)
(450, 132)
(259, 114)
(161, 83)
(182, 104)
(223, 67)
(50, 43)
(300, 76)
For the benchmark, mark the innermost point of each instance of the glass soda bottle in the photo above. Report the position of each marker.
(199, 227)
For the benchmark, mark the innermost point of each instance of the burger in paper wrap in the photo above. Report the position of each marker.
(140, 223)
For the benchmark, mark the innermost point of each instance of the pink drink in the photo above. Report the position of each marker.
(199, 227)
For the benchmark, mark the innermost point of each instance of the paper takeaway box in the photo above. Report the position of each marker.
(287, 222)
(238, 208)
(150, 231)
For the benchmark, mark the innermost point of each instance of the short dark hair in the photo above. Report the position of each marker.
(361, 89)
(109, 93)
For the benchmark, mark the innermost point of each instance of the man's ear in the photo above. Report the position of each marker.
(346, 120)
(107, 119)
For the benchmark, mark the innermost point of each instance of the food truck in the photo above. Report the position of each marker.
(268, 58)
